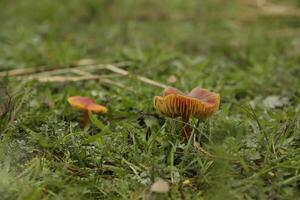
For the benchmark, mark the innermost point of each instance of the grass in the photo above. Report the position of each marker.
(248, 150)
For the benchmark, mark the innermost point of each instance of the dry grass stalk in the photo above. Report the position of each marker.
(45, 74)
(87, 64)
(83, 77)
(27, 71)
(141, 78)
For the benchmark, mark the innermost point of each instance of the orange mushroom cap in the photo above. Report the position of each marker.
(199, 103)
(85, 103)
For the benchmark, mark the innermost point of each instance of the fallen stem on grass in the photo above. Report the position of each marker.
(28, 71)
(45, 74)
(141, 78)
(44, 70)
(61, 79)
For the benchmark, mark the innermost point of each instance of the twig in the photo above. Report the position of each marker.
(43, 70)
(68, 78)
(20, 72)
(103, 79)
(42, 74)
(75, 70)
(80, 72)
(87, 76)
(141, 78)
(117, 70)
(50, 73)
(102, 66)
(151, 82)
(32, 70)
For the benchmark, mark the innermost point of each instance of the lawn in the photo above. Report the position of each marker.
(248, 51)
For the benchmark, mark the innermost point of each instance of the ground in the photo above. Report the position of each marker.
(248, 51)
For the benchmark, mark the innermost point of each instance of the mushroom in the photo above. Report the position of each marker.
(199, 103)
(86, 104)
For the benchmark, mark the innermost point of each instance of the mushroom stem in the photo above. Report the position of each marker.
(85, 119)
(186, 129)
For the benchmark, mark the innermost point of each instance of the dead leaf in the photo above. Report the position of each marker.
(160, 186)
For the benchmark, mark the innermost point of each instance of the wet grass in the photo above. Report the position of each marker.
(248, 150)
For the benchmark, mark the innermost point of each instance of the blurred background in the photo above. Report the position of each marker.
(51, 32)
(225, 40)
(246, 50)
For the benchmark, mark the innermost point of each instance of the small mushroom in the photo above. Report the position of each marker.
(86, 104)
(199, 103)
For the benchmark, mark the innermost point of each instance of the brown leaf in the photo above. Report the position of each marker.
(160, 186)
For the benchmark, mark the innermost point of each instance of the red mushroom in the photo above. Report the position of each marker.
(86, 104)
(199, 103)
